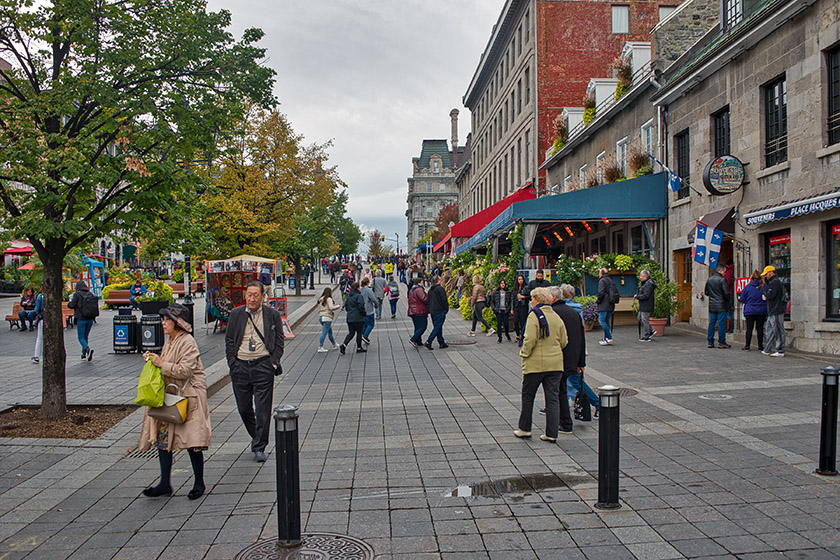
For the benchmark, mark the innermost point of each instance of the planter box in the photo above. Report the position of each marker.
(658, 325)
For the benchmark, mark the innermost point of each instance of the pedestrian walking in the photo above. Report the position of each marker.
(418, 310)
(607, 298)
(777, 298)
(438, 308)
(370, 309)
(520, 306)
(39, 328)
(183, 374)
(501, 302)
(393, 291)
(478, 301)
(378, 287)
(645, 297)
(354, 310)
(459, 285)
(326, 314)
(345, 284)
(575, 380)
(254, 344)
(574, 354)
(718, 293)
(755, 310)
(85, 308)
(542, 357)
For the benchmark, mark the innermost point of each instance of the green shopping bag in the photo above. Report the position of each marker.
(150, 388)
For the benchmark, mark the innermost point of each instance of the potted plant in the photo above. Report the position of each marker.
(665, 305)
(590, 311)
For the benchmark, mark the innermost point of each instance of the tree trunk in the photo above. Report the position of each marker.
(54, 391)
(296, 260)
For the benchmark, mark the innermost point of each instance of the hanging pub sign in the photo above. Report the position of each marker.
(723, 175)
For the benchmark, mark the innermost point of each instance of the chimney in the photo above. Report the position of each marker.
(453, 114)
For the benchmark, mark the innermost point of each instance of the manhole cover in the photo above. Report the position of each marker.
(316, 546)
(460, 342)
(716, 397)
(622, 392)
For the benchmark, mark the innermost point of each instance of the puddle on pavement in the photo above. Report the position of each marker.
(522, 485)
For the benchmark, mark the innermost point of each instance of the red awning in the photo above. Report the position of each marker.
(27, 266)
(473, 224)
(442, 243)
(19, 251)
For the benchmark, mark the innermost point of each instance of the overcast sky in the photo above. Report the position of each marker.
(374, 76)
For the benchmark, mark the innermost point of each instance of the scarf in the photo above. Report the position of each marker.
(541, 318)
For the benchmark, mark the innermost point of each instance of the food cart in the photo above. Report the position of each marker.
(233, 274)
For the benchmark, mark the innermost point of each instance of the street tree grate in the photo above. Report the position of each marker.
(315, 546)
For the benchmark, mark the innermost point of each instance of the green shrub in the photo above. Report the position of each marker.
(588, 116)
(465, 309)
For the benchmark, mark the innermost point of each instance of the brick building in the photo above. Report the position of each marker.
(538, 61)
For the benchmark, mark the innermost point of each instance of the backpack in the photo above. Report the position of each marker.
(613, 294)
(89, 305)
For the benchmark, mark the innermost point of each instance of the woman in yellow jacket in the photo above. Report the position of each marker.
(542, 364)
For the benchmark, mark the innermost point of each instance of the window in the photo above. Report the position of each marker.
(621, 155)
(638, 241)
(519, 161)
(567, 183)
(721, 127)
(777, 253)
(646, 136)
(504, 181)
(733, 13)
(598, 245)
(665, 11)
(582, 176)
(442, 187)
(600, 160)
(832, 304)
(435, 167)
(429, 187)
(621, 19)
(618, 241)
(775, 125)
(527, 25)
(506, 116)
(683, 164)
(834, 95)
(519, 41)
(519, 96)
(527, 85)
(528, 152)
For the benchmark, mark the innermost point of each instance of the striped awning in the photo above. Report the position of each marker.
(793, 208)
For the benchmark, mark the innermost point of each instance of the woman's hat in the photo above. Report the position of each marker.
(767, 269)
(179, 314)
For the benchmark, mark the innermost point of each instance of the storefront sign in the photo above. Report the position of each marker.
(779, 240)
(793, 209)
(740, 284)
(835, 230)
(723, 175)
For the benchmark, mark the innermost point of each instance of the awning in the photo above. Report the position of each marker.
(472, 225)
(442, 243)
(634, 199)
(720, 220)
(793, 208)
(19, 251)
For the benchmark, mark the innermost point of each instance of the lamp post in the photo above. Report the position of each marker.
(398, 243)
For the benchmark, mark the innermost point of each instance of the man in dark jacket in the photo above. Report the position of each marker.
(606, 289)
(438, 307)
(717, 291)
(356, 314)
(538, 282)
(646, 300)
(254, 343)
(776, 296)
(574, 354)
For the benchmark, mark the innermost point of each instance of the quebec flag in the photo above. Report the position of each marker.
(707, 242)
(674, 181)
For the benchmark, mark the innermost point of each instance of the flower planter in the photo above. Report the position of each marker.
(658, 325)
(589, 325)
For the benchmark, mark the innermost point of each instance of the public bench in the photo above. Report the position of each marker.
(118, 297)
(66, 315)
(178, 288)
(14, 318)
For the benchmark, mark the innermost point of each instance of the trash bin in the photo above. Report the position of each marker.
(151, 333)
(125, 334)
(190, 306)
(291, 282)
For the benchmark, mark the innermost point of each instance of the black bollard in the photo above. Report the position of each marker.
(608, 449)
(828, 423)
(288, 476)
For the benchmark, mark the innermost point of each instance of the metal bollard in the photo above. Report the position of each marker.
(828, 423)
(608, 449)
(288, 476)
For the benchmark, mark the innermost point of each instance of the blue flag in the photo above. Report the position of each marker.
(707, 242)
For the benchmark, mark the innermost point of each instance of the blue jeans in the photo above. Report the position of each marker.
(437, 328)
(326, 330)
(393, 303)
(378, 308)
(572, 386)
(83, 330)
(720, 320)
(24, 315)
(604, 320)
(369, 321)
(421, 322)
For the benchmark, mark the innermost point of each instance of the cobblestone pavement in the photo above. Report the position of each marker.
(413, 452)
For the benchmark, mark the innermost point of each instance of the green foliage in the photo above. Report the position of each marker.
(452, 298)
(569, 270)
(623, 262)
(642, 171)
(557, 145)
(620, 90)
(517, 253)
(157, 290)
(588, 115)
(665, 302)
(490, 317)
(465, 308)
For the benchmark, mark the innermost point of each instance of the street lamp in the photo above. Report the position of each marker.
(398, 243)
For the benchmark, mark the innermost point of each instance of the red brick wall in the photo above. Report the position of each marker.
(575, 43)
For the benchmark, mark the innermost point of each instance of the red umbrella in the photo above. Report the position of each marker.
(27, 266)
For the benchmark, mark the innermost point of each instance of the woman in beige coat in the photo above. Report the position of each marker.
(181, 366)
(478, 300)
(542, 364)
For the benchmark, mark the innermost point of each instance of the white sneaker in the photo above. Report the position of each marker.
(606, 342)
(335, 346)
(321, 349)
(471, 333)
(491, 332)
(765, 352)
(777, 355)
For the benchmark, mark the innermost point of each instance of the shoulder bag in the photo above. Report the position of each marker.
(583, 410)
(174, 409)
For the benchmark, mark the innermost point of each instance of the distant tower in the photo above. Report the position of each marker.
(453, 114)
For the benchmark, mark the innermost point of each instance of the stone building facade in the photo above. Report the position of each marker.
(762, 85)
(538, 61)
(430, 188)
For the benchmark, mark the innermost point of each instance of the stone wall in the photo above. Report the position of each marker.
(682, 29)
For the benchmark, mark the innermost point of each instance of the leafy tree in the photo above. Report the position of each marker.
(448, 214)
(348, 234)
(376, 245)
(104, 99)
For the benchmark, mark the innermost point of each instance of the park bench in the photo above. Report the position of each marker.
(14, 318)
(178, 288)
(118, 297)
(624, 314)
(66, 314)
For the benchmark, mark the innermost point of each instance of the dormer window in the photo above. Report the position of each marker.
(435, 167)
(733, 13)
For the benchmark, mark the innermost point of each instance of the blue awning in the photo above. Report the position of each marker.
(643, 198)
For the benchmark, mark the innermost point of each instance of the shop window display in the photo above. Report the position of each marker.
(833, 270)
(777, 253)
